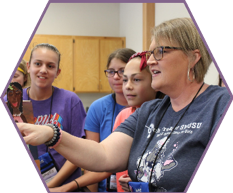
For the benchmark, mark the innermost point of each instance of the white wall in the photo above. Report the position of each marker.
(131, 25)
(166, 11)
(81, 19)
(109, 19)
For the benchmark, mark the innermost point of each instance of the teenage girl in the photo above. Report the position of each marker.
(52, 105)
(102, 112)
(137, 90)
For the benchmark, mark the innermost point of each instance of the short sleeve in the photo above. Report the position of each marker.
(221, 105)
(124, 114)
(93, 118)
(78, 120)
(129, 125)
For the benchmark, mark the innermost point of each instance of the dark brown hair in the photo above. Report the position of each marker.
(122, 54)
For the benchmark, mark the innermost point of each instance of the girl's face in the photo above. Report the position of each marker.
(137, 84)
(19, 77)
(43, 67)
(116, 82)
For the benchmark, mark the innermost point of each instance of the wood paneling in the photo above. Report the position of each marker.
(148, 23)
(107, 46)
(86, 65)
(83, 60)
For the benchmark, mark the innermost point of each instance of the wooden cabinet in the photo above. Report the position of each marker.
(90, 60)
(107, 46)
(83, 60)
(65, 46)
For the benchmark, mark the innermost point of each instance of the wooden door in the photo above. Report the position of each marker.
(86, 64)
(107, 46)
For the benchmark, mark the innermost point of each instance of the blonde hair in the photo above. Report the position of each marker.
(23, 66)
(182, 32)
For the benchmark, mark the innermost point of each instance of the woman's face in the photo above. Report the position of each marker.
(169, 73)
(19, 77)
(137, 84)
(14, 97)
(116, 82)
(43, 67)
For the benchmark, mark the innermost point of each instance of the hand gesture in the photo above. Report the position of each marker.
(123, 180)
(35, 134)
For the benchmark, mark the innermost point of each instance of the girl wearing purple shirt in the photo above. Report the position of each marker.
(52, 105)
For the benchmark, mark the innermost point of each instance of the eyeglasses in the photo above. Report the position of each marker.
(111, 72)
(158, 52)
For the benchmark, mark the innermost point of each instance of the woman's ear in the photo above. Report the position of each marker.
(196, 56)
(28, 66)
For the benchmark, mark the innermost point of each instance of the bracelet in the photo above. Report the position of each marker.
(77, 184)
(59, 140)
(56, 136)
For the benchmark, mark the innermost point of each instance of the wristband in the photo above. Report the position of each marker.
(56, 136)
(77, 184)
(57, 142)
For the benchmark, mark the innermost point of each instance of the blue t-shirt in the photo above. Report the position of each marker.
(100, 119)
(182, 151)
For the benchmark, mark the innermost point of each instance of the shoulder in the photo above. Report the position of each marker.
(153, 104)
(103, 101)
(63, 91)
(217, 89)
(216, 93)
(65, 94)
(147, 110)
(71, 99)
(212, 104)
(100, 106)
(25, 95)
(125, 112)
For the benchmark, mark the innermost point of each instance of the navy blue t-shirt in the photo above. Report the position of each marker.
(181, 153)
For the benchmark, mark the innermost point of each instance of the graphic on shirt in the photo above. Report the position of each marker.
(164, 131)
(54, 119)
(163, 162)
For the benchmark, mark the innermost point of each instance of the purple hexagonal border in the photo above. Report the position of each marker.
(128, 1)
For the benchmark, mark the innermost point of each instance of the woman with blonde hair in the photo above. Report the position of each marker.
(21, 76)
(162, 142)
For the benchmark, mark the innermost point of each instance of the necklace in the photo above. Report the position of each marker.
(114, 98)
(150, 184)
(51, 103)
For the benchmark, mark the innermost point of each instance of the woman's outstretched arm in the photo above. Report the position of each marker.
(111, 155)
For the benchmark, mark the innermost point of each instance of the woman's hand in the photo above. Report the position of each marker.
(123, 180)
(35, 134)
(69, 187)
(57, 189)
